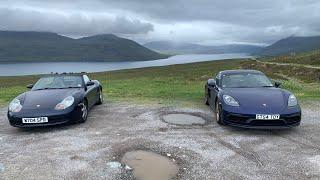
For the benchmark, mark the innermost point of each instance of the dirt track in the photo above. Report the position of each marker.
(209, 151)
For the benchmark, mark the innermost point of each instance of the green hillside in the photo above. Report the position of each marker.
(43, 46)
(306, 58)
(291, 45)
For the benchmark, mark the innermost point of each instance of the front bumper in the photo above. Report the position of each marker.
(57, 118)
(250, 121)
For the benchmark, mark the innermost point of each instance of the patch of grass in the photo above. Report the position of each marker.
(305, 74)
(306, 58)
(175, 84)
(6, 94)
(302, 90)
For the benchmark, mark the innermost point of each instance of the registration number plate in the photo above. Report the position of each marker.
(35, 120)
(267, 116)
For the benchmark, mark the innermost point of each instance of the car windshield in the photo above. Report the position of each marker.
(245, 80)
(58, 82)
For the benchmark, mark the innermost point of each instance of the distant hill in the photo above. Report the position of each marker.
(45, 46)
(179, 48)
(291, 45)
(239, 48)
(306, 58)
(188, 48)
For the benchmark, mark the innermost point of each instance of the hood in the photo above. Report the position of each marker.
(259, 100)
(48, 98)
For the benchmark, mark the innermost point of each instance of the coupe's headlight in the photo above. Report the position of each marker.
(230, 100)
(15, 106)
(64, 104)
(292, 101)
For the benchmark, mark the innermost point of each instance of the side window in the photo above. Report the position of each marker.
(86, 79)
(218, 80)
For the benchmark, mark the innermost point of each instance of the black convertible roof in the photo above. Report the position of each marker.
(240, 71)
(66, 74)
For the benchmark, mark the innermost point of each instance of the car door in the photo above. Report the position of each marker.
(90, 91)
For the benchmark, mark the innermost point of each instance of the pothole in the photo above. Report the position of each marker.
(150, 166)
(183, 119)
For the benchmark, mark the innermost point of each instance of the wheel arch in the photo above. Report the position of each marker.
(85, 99)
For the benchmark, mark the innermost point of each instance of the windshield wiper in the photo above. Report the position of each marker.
(250, 86)
(47, 88)
(57, 88)
(41, 89)
(243, 87)
(73, 87)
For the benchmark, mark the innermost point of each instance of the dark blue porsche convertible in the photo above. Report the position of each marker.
(55, 99)
(248, 98)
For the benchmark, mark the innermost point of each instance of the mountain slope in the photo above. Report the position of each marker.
(188, 48)
(43, 46)
(239, 48)
(291, 45)
(179, 48)
(311, 58)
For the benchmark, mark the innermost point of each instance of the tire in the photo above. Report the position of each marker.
(84, 111)
(218, 114)
(100, 101)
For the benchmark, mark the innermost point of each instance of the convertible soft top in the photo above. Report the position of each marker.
(240, 71)
(69, 73)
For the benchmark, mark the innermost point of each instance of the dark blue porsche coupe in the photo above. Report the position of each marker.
(55, 99)
(248, 98)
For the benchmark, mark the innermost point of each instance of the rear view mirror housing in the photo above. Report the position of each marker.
(90, 83)
(277, 84)
(30, 86)
(211, 82)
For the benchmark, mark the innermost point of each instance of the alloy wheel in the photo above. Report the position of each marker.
(217, 112)
(84, 111)
(101, 96)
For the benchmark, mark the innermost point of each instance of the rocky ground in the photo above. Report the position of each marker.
(200, 150)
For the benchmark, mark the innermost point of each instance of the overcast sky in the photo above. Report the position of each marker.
(196, 21)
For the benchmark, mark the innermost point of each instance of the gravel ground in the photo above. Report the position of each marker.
(207, 151)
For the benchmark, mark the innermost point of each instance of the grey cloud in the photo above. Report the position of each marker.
(73, 23)
(252, 21)
(261, 20)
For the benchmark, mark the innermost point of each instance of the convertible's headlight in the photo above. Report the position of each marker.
(292, 101)
(15, 106)
(64, 104)
(230, 100)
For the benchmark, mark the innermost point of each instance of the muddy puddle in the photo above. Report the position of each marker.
(183, 119)
(150, 166)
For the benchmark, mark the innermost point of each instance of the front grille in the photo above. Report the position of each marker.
(293, 119)
(267, 122)
(237, 118)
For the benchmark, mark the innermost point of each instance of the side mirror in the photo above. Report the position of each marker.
(30, 86)
(90, 83)
(211, 82)
(277, 84)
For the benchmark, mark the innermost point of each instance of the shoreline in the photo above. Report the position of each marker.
(39, 68)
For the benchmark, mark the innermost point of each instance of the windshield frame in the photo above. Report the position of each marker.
(35, 88)
(247, 73)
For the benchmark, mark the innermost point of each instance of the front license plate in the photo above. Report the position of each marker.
(267, 116)
(35, 120)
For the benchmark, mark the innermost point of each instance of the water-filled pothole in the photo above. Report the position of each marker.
(183, 119)
(150, 166)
